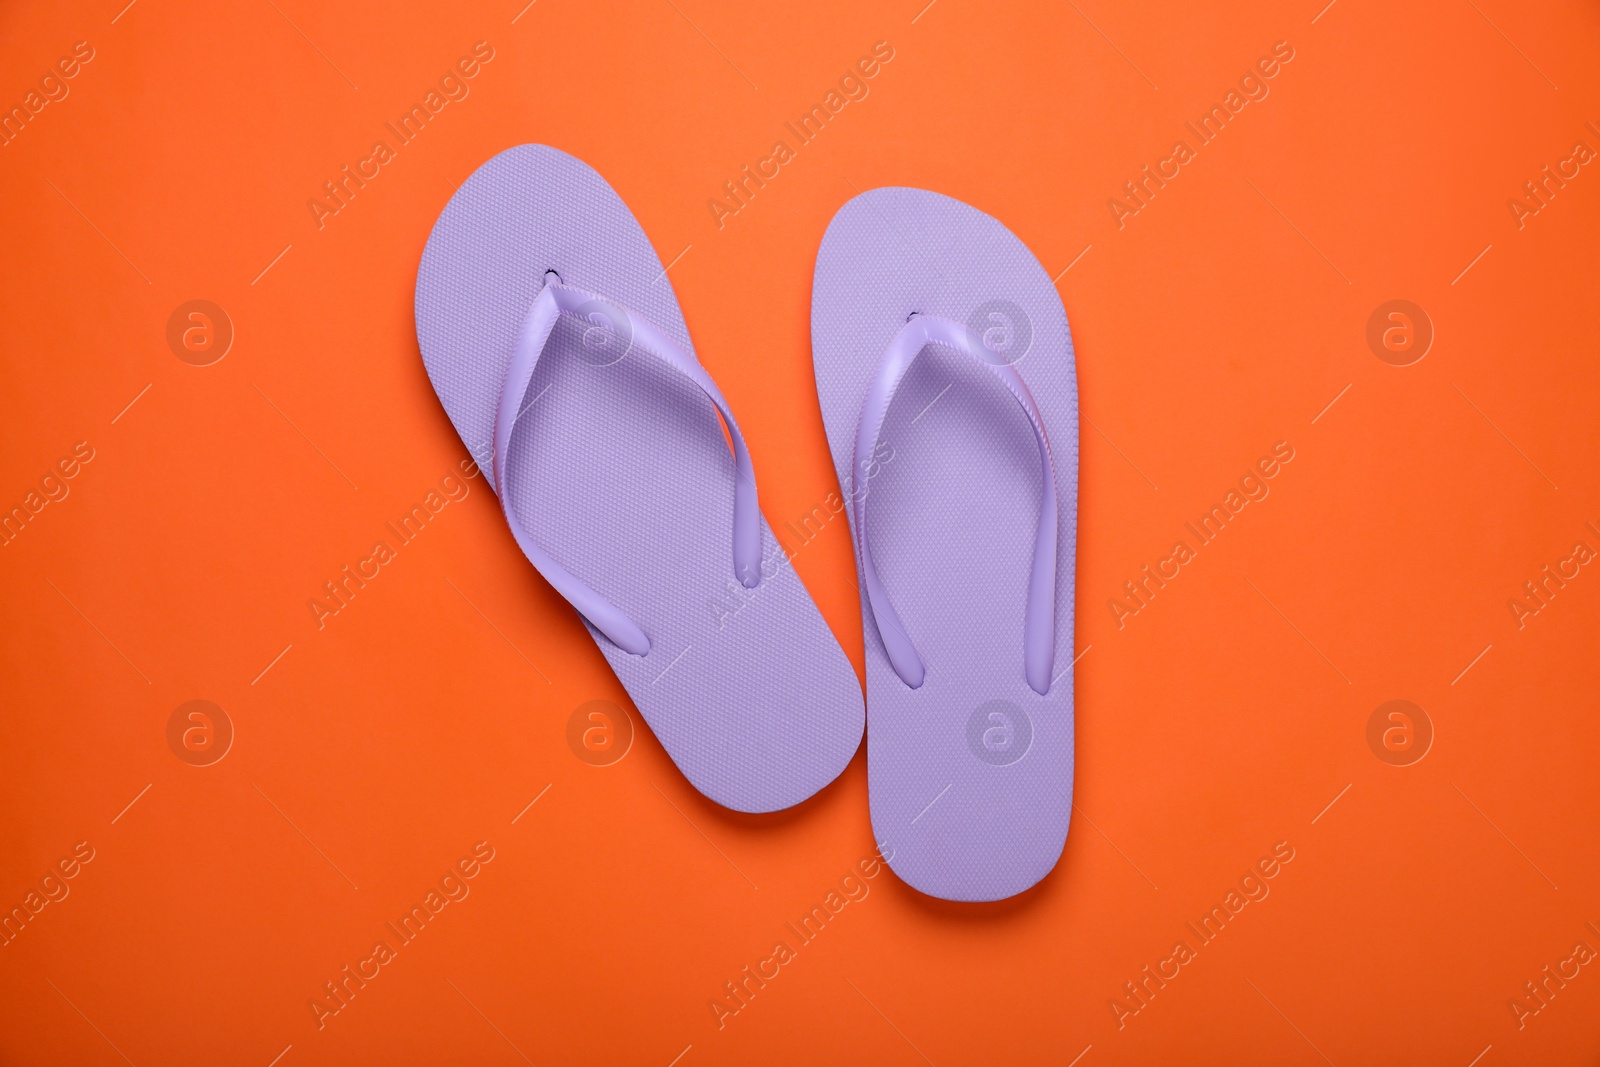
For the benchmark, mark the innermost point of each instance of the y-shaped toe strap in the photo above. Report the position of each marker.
(1039, 628)
(613, 320)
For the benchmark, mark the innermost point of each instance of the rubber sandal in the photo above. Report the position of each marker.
(945, 372)
(554, 340)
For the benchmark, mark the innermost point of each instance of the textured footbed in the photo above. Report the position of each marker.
(621, 472)
(970, 775)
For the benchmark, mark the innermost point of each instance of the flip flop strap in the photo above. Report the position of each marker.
(1039, 628)
(645, 336)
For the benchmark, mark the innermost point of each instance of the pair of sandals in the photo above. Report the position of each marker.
(944, 367)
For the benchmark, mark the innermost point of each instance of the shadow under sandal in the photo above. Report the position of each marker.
(555, 342)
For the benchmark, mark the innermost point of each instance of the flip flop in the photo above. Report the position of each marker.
(554, 340)
(945, 372)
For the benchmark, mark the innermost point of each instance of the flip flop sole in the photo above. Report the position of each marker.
(970, 774)
(620, 471)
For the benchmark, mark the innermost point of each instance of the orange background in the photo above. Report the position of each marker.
(1224, 718)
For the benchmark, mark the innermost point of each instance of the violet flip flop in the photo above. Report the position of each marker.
(945, 372)
(554, 340)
